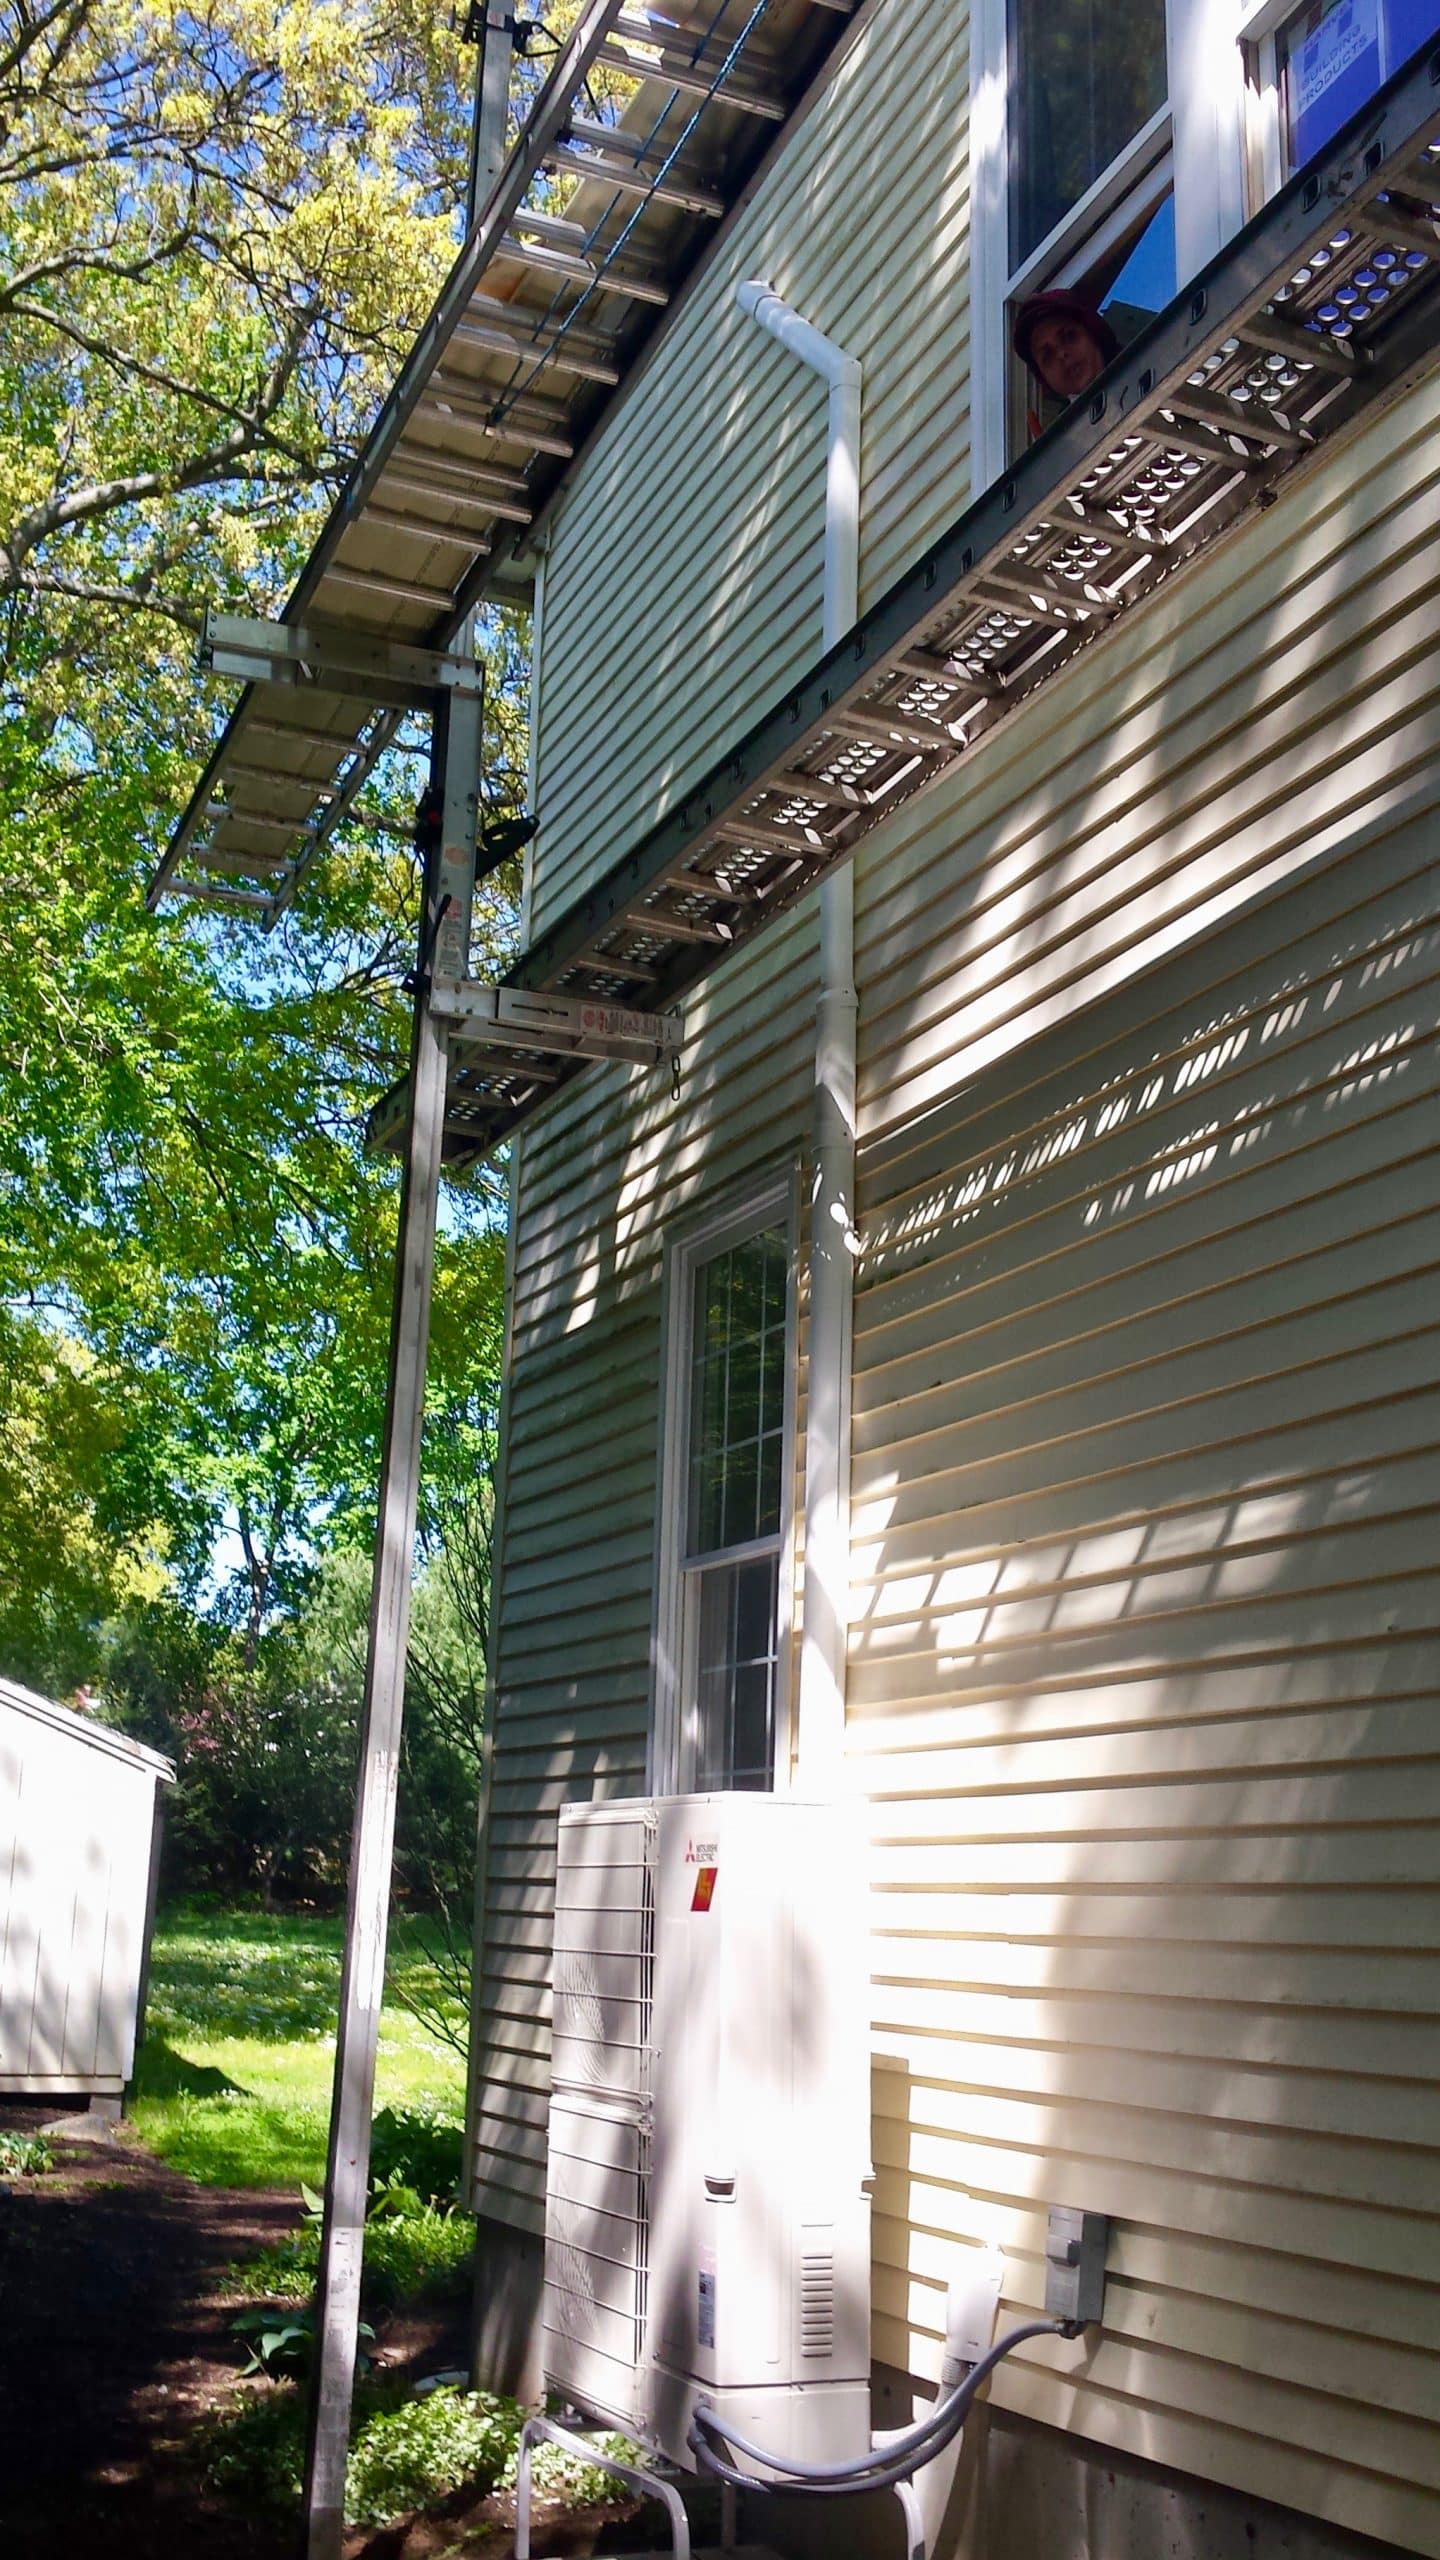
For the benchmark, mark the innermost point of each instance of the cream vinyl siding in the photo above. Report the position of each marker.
(683, 582)
(1146, 1598)
(605, 1177)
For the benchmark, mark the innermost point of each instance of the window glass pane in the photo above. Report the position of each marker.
(1408, 25)
(737, 1394)
(1084, 77)
(1330, 58)
(1146, 278)
(735, 1673)
(1335, 54)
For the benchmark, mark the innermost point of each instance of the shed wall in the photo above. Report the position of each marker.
(76, 1827)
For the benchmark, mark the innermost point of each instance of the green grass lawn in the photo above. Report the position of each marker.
(232, 2083)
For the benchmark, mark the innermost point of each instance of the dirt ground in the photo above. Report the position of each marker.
(114, 2341)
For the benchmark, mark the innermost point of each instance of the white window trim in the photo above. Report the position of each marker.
(1206, 113)
(773, 1202)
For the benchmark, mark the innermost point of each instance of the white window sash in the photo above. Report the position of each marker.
(1206, 119)
(671, 1759)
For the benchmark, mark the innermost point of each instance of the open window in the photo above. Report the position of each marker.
(727, 1468)
(1109, 166)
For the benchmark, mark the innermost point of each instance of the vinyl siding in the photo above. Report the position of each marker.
(1147, 1395)
(1146, 1573)
(683, 582)
(606, 1176)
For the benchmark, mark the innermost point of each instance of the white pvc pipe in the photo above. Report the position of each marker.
(826, 1609)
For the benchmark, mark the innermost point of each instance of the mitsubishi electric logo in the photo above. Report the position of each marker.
(702, 1853)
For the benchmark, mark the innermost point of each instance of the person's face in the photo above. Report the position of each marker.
(1064, 355)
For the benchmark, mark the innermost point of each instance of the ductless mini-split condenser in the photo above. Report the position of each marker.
(707, 2210)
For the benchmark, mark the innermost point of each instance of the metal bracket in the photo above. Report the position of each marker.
(515, 1018)
(332, 660)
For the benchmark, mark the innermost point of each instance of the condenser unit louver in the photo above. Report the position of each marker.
(707, 2213)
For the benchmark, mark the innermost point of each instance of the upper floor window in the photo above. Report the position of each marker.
(1122, 175)
(1315, 67)
(1114, 152)
(724, 1550)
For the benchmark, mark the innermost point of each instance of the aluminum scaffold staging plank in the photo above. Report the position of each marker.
(1326, 304)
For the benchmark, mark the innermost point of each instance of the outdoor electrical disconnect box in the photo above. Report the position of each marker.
(1075, 2249)
(707, 2212)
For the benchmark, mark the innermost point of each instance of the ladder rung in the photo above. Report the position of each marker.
(298, 735)
(1245, 418)
(425, 529)
(560, 355)
(620, 49)
(937, 670)
(1104, 529)
(238, 864)
(798, 785)
(468, 418)
(1303, 346)
(608, 169)
(211, 894)
(267, 823)
(904, 730)
(1197, 440)
(1037, 589)
(477, 488)
(404, 590)
(668, 928)
(807, 843)
(545, 261)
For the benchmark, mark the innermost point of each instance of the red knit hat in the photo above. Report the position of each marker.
(1060, 303)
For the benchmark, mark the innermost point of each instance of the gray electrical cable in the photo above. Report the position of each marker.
(883, 2468)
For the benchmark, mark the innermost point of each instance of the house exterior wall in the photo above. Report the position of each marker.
(1143, 1649)
(683, 581)
(78, 1822)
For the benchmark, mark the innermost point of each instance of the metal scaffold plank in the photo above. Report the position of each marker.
(1266, 357)
(540, 322)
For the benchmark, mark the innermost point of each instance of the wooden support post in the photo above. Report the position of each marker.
(455, 767)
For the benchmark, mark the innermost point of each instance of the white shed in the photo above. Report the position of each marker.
(80, 1821)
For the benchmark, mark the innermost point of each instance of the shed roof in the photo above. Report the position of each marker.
(100, 1737)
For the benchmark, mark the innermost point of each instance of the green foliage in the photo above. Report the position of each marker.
(565, 2479)
(420, 2146)
(404, 2456)
(233, 2079)
(25, 2155)
(216, 235)
(401, 2456)
(421, 2255)
(281, 2341)
(418, 2454)
(264, 1737)
(254, 2451)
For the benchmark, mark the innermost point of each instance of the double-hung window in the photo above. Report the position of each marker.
(1109, 163)
(720, 1702)
(1115, 151)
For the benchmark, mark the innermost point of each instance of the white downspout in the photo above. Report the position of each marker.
(825, 1618)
